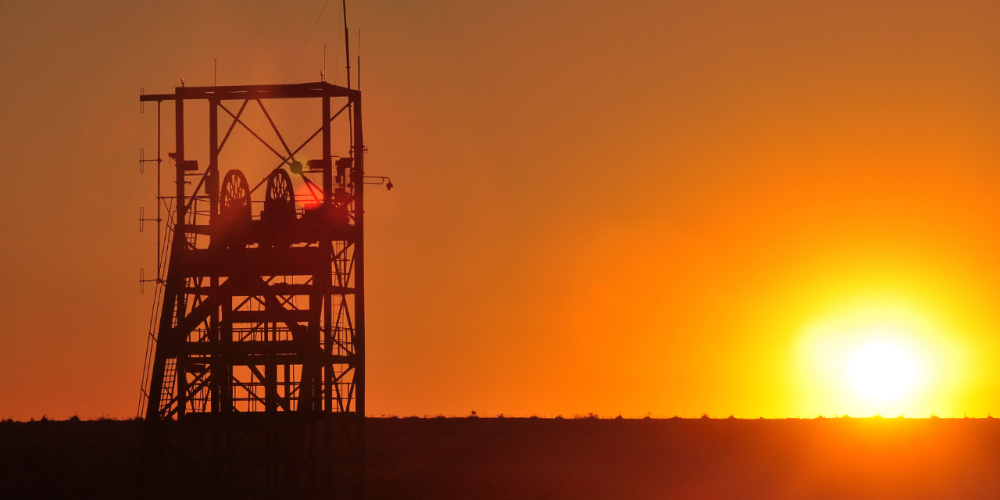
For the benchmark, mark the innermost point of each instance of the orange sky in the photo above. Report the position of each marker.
(666, 207)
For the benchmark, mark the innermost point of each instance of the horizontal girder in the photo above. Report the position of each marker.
(255, 352)
(302, 230)
(232, 92)
(223, 262)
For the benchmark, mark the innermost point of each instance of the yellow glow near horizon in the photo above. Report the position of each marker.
(884, 359)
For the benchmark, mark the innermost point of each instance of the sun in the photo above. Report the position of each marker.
(882, 357)
(882, 371)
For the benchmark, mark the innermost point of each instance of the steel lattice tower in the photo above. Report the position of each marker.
(257, 385)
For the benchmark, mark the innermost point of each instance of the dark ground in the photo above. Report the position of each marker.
(513, 458)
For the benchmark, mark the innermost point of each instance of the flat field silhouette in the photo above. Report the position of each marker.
(507, 458)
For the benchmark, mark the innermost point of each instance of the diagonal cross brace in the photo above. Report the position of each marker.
(259, 138)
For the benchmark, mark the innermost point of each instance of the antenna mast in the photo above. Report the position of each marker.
(347, 45)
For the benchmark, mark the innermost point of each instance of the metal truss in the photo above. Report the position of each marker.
(256, 386)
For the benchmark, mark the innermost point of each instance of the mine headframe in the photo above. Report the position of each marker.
(261, 323)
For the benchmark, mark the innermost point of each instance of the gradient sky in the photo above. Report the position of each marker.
(609, 207)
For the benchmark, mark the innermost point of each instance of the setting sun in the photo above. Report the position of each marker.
(882, 371)
(881, 356)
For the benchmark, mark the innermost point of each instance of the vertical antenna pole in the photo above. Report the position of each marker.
(347, 45)
(347, 51)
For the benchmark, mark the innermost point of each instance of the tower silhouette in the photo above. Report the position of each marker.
(255, 381)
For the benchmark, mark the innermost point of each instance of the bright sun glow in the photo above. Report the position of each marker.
(880, 357)
(882, 371)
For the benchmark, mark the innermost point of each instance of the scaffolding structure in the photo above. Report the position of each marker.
(255, 377)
